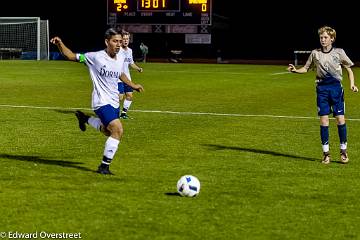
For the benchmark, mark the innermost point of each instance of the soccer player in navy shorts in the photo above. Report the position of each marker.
(329, 62)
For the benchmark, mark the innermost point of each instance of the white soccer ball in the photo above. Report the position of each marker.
(188, 186)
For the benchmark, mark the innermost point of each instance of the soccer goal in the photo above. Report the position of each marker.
(300, 57)
(24, 38)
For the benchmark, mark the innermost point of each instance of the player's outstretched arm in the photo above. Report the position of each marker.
(137, 68)
(65, 51)
(134, 86)
(292, 68)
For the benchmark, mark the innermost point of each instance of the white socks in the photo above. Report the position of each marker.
(325, 148)
(343, 146)
(127, 104)
(95, 122)
(111, 146)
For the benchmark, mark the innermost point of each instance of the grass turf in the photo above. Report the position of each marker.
(260, 173)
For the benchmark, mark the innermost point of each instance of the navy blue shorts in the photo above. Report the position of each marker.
(121, 87)
(107, 113)
(127, 88)
(330, 99)
(124, 88)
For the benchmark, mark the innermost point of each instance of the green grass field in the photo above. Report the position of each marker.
(249, 133)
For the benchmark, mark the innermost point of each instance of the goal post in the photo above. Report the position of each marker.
(24, 38)
(299, 56)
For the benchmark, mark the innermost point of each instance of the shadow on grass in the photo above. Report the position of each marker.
(64, 111)
(174, 194)
(72, 112)
(36, 159)
(266, 152)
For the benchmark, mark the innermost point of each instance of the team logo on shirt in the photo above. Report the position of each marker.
(127, 59)
(336, 59)
(107, 73)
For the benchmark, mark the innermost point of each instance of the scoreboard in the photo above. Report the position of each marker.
(159, 12)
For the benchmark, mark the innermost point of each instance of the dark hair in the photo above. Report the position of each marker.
(111, 32)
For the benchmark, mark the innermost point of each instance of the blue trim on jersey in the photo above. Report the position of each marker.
(328, 80)
(107, 114)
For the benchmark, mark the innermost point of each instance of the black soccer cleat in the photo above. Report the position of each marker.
(82, 118)
(104, 169)
(124, 116)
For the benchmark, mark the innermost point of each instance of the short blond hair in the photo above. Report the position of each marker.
(330, 31)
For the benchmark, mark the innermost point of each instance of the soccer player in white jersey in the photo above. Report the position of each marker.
(126, 51)
(330, 94)
(105, 68)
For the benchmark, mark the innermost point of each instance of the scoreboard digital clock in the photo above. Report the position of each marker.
(159, 12)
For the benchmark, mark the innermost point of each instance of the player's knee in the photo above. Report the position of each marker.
(120, 130)
(117, 134)
(340, 120)
(116, 129)
(105, 131)
(324, 121)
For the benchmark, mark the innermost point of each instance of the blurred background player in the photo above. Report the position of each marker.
(105, 67)
(144, 51)
(123, 87)
(330, 94)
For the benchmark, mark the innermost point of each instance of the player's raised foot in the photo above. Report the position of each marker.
(104, 169)
(82, 118)
(344, 158)
(124, 116)
(326, 158)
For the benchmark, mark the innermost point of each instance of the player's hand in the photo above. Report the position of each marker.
(55, 40)
(140, 70)
(354, 88)
(291, 68)
(139, 88)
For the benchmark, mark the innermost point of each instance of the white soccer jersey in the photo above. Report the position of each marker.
(329, 64)
(128, 59)
(105, 73)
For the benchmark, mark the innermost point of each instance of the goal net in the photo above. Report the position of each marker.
(300, 57)
(24, 38)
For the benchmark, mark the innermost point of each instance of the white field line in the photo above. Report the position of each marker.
(37, 107)
(223, 114)
(225, 72)
(206, 72)
(280, 73)
(174, 112)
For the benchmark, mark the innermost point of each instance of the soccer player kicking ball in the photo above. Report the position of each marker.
(330, 94)
(105, 67)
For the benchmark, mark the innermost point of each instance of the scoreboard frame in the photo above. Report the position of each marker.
(159, 12)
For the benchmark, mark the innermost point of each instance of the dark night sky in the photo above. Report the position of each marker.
(258, 30)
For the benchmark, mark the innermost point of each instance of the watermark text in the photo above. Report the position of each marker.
(40, 235)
